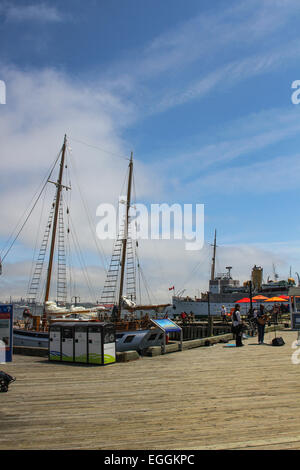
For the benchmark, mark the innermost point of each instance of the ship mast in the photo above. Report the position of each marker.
(124, 241)
(212, 276)
(55, 218)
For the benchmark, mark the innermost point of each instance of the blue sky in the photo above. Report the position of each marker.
(199, 90)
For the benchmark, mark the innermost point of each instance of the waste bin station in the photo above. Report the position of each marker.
(82, 342)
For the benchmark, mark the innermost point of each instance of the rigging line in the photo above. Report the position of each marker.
(117, 205)
(67, 205)
(83, 267)
(36, 242)
(141, 274)
(134, 202)
(134, 188)
(81, 260)
(72, 288)
(69, 261)
(46, 177)
(68, 247)
(41, 296)
(155, 255)
(139, 271)
(73, 280)
(193, 271)
(100, 250)
(119, 224)
(72, 271)
(147, 286)
(139, 282)
(99, 148)
(124, 181)
(16, 237)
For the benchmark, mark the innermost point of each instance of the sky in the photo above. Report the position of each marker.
(199, 91)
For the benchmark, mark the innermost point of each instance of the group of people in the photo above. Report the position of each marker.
(259, 316)
(187, 318)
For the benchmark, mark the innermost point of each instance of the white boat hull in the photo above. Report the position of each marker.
(30, 339)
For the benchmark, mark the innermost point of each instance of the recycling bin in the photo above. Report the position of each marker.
(109, 343)
(55, 343)
(67, 343)
(82, 342)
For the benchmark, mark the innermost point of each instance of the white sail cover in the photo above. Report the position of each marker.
(127, 302)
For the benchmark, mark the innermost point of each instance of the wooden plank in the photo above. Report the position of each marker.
(204, 398)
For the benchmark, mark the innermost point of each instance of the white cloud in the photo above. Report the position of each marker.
(237, 142)
(236, 155)
(38, 12)
(229, 75)
(273, 175)
(215, 47)
(165, 263)
(41, 107)
(207, 35)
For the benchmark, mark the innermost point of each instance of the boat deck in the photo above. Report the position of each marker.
(206, 398)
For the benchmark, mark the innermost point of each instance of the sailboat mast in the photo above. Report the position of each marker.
(212, 276)
(55, 218)
(124, 242)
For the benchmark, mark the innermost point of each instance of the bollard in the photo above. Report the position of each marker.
(210, 326)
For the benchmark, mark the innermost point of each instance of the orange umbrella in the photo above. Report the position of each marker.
(243, 301)
(284, 297)
(260, 297)
(276, 299)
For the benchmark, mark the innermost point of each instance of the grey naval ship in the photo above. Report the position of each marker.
(225, 291)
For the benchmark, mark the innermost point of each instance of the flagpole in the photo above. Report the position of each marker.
(172, 289)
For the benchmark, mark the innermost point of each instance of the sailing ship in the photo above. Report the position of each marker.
(36, 333)
(132, 333)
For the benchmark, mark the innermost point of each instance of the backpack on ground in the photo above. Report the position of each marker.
(278, 341)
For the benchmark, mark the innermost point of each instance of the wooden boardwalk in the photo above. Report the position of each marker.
(206, 398)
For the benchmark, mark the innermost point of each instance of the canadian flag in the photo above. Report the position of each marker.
(171, 288)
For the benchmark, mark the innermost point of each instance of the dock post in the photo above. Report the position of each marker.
(210, 323)
(210, 326)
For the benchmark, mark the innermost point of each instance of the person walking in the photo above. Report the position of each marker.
(223, 313)
(237, 325)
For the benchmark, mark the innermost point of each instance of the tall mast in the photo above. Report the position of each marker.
(212, 276)
(124, 242)
(55, 218)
